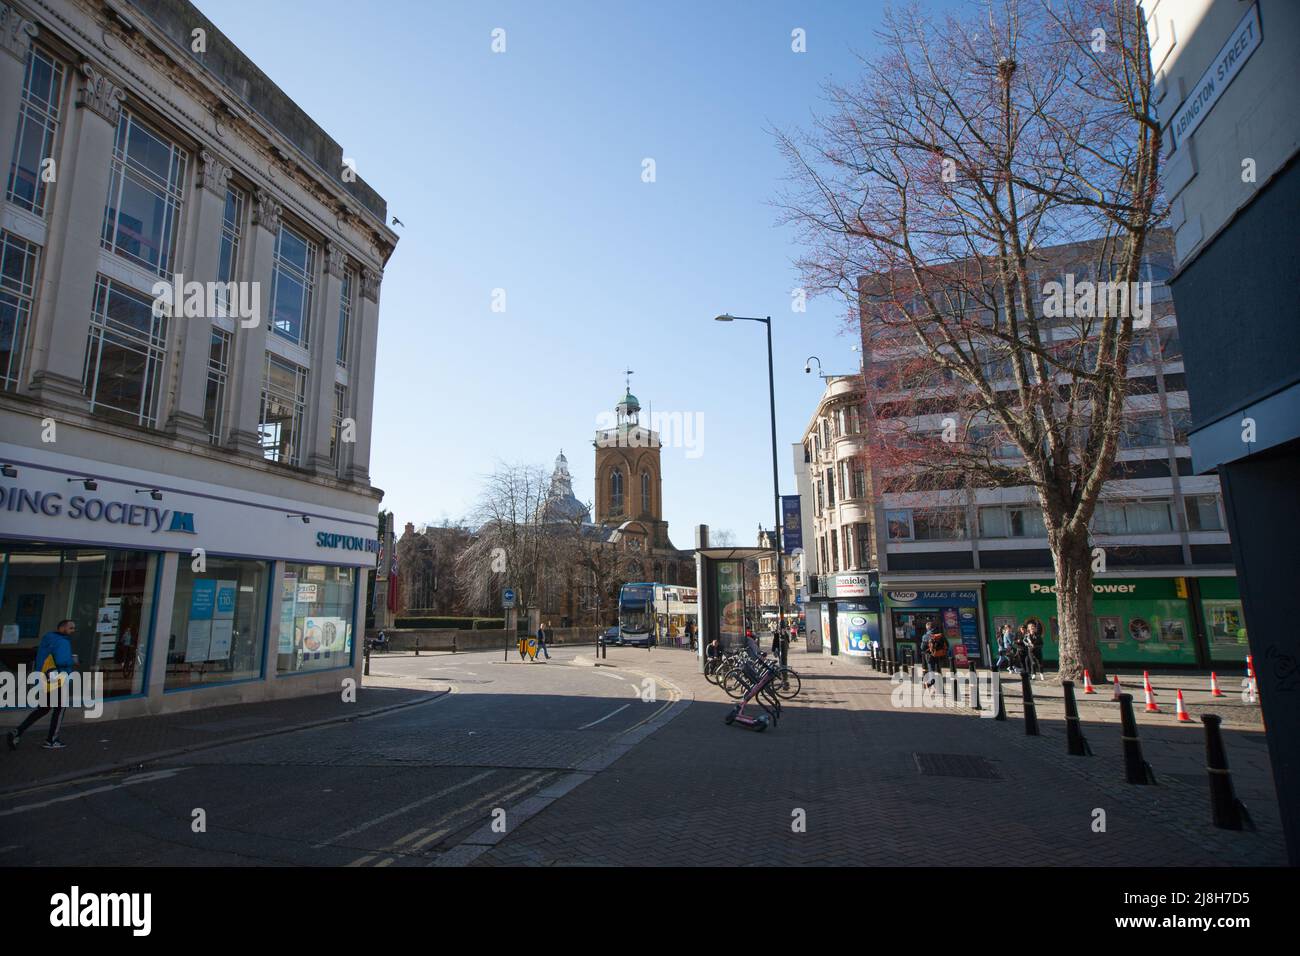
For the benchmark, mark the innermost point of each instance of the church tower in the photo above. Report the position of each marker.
(628, 489)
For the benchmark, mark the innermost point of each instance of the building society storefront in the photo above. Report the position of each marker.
(185, 594)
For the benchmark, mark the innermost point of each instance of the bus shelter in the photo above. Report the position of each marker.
(720, 580)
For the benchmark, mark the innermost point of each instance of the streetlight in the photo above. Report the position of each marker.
(776, 486)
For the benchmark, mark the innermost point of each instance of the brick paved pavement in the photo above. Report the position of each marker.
(698, 792)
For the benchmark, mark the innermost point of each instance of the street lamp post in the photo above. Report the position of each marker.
(776, 486)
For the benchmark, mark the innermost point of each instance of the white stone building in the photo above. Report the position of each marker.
(190, 485)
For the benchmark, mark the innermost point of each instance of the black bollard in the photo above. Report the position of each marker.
(367, 653)
(997, 694)
(1031, 713)
(1076, 745)
(1136, 770)
(1229, 812)
(890, 667)
(974, 687)
(417, 647)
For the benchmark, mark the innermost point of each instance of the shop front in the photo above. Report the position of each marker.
(854, 618)
(178, 586)
(953, 612)
(1138, 621)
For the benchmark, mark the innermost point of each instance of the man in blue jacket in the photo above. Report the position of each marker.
(55, 660)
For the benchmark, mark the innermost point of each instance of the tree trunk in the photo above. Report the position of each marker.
(1079, 651)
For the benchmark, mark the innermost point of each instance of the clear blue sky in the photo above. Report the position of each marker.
(522, 171)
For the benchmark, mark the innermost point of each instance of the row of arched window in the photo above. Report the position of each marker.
(616, 492)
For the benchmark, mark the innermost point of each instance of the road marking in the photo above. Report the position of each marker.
(606, 717)
(406, 809)
(527, 782)
(151, 777)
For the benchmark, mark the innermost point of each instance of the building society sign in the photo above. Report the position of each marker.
(81, 508)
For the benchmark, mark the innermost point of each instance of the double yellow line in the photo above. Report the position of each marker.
(411, 843)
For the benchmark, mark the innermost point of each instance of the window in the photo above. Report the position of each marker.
(284, 392)
(616, 492)
(938, 524)
(125, 354)
(848, 547)
(899, 524)
(821, 553)
(1133, 517)
(645, 492)
(291, 286)
(345, 318)
(993, 441)
(817, 488)
(1171, 347)
(859, 485)
(144, 196)
(1181, 418)
(1141, 350)
(214, 403)
(864, 545)
(336, 426)
(218, 620)
(17, 287)
(835, 550)
(1143, 431)
(828, 479)
(38, 126)
(317, 603)
(1012, 521)
(231, 231)
(107, 592)
(1203, 513)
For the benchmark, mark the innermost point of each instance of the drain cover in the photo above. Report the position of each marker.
(955, 765)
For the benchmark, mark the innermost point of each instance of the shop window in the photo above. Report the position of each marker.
(218, 627)
(316, 611)
(107, 592)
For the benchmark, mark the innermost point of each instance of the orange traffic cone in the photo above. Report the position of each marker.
(1214, 686)
(1151, 704)
(1181, 711)
(1087, 684)
(1117, 688)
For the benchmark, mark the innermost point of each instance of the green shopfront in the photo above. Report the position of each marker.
(1185, 622)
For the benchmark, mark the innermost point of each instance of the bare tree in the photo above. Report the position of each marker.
(509, 544)
(927, 197)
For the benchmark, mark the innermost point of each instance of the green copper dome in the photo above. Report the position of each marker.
(630, 401)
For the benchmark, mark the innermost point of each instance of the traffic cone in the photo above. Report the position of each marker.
(1250, 668)
(1087, 684)
(1214, 686)
(1117, 688)
(1181, 711)
(1146, 683)
(1151, 704)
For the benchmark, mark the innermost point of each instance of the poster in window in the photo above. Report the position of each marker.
(198, 633)
(1108, 627)
(1227, 626)
(28, 615)
(1172, 631)
(223, 621)
(325, 635)
(1139, 630)
(288, 613)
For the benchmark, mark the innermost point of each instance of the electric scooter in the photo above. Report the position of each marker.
(762, 691)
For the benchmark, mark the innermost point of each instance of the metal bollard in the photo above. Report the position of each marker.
(974, 687)
(1229, 812)
(366, 672)
(1136, 770)
(417, 647)
(997, 693)
(1031, 712)
(1076, 745)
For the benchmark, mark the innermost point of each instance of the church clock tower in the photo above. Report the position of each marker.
(628, 489)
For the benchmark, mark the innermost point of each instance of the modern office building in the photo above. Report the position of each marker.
(1226, 77)
(969, 559)
(189, 310)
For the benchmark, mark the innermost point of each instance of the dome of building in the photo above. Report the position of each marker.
(561, 504)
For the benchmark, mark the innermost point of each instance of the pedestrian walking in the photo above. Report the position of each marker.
(548, 638)
(55, 661)
(1033, 648)
(936, 649)
(690, 634)
(1006, 649)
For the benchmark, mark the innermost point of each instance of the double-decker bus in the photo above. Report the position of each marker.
(660, 611)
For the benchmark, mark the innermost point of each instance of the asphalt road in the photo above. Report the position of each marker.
(436, 783)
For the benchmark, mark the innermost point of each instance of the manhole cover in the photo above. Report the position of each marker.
(955, 765)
